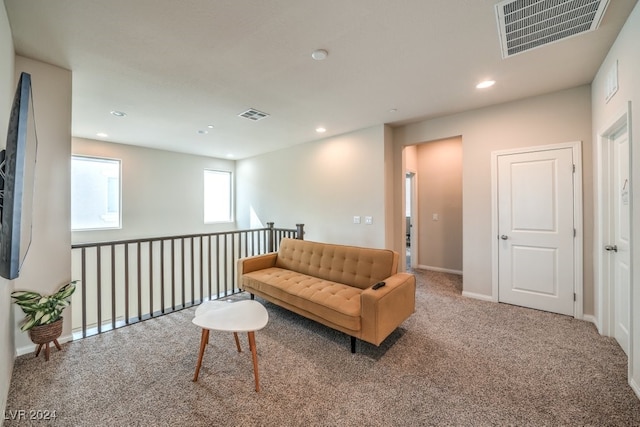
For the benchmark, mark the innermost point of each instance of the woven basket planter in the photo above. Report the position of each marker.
(46, 333)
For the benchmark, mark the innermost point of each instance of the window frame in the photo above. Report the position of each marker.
(119, 213)
(231, 217)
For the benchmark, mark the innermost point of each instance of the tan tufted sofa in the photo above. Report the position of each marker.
(332, 284)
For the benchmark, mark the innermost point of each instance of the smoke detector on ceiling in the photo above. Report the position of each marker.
(528, 24)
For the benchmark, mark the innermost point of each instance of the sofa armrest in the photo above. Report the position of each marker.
(255, 263)
(385, 308)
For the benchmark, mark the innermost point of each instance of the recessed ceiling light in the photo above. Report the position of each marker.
(320, 129)
(319, 54)
(210, 126)
(485, 84)
(102, 134)
(393, 110)
(203, 132)
(230, 156)
(118, 113)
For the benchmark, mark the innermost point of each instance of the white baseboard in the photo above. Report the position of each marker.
(591, 318)
(481, 297)
(438, 269)
(20, 351)
(31, 348)
(634, 387)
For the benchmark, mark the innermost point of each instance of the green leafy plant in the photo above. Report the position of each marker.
(43, 309)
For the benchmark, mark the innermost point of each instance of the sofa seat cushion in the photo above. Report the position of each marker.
(335, 302)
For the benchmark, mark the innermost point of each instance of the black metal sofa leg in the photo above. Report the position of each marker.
(353, 344)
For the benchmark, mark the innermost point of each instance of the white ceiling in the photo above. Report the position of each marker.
(177, 66)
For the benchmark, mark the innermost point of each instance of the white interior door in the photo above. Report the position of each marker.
(619, 246)
(536, 230)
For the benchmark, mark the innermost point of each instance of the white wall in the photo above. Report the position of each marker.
(625, 51)
(388, 178)
(7, 89)
(48, 263)
(554, 118)
(162, 191)
(322, 184)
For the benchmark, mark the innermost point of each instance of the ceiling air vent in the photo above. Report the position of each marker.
(528, 24)
(253, 114)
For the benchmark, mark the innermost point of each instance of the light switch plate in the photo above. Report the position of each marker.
(356, 220)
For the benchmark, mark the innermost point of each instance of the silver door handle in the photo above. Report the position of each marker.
(504, 237)
(613, 248)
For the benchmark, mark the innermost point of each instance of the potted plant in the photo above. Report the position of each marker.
(43, 314)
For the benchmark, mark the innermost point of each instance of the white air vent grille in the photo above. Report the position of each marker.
(253, 114)
(528, 24)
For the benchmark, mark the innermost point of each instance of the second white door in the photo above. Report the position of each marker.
(619, 246)
(536, 230)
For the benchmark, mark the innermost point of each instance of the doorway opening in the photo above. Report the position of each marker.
(410, 218)
(432, 223)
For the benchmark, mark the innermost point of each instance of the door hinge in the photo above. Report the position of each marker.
(574, 232)
(574, 296)
(574, 168)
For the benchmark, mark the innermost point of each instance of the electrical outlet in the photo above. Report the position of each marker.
(368, 220)
(435, 217)
(356, 220)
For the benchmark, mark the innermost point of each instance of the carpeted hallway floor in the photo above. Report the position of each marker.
(455, 362)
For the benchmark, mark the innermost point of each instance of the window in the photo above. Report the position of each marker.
(217, 196)
(95, 193)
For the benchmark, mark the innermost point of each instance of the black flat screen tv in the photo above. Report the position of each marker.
(15, 201)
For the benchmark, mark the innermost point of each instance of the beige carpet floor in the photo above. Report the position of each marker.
(455, 362)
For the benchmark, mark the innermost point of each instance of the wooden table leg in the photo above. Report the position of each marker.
(235, 335)
(203, 344)
(252, 346)
(39, 348)
(46, 349)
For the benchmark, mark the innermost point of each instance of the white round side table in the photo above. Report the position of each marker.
(242, 316)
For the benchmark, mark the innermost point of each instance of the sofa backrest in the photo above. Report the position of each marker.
(350, 265)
